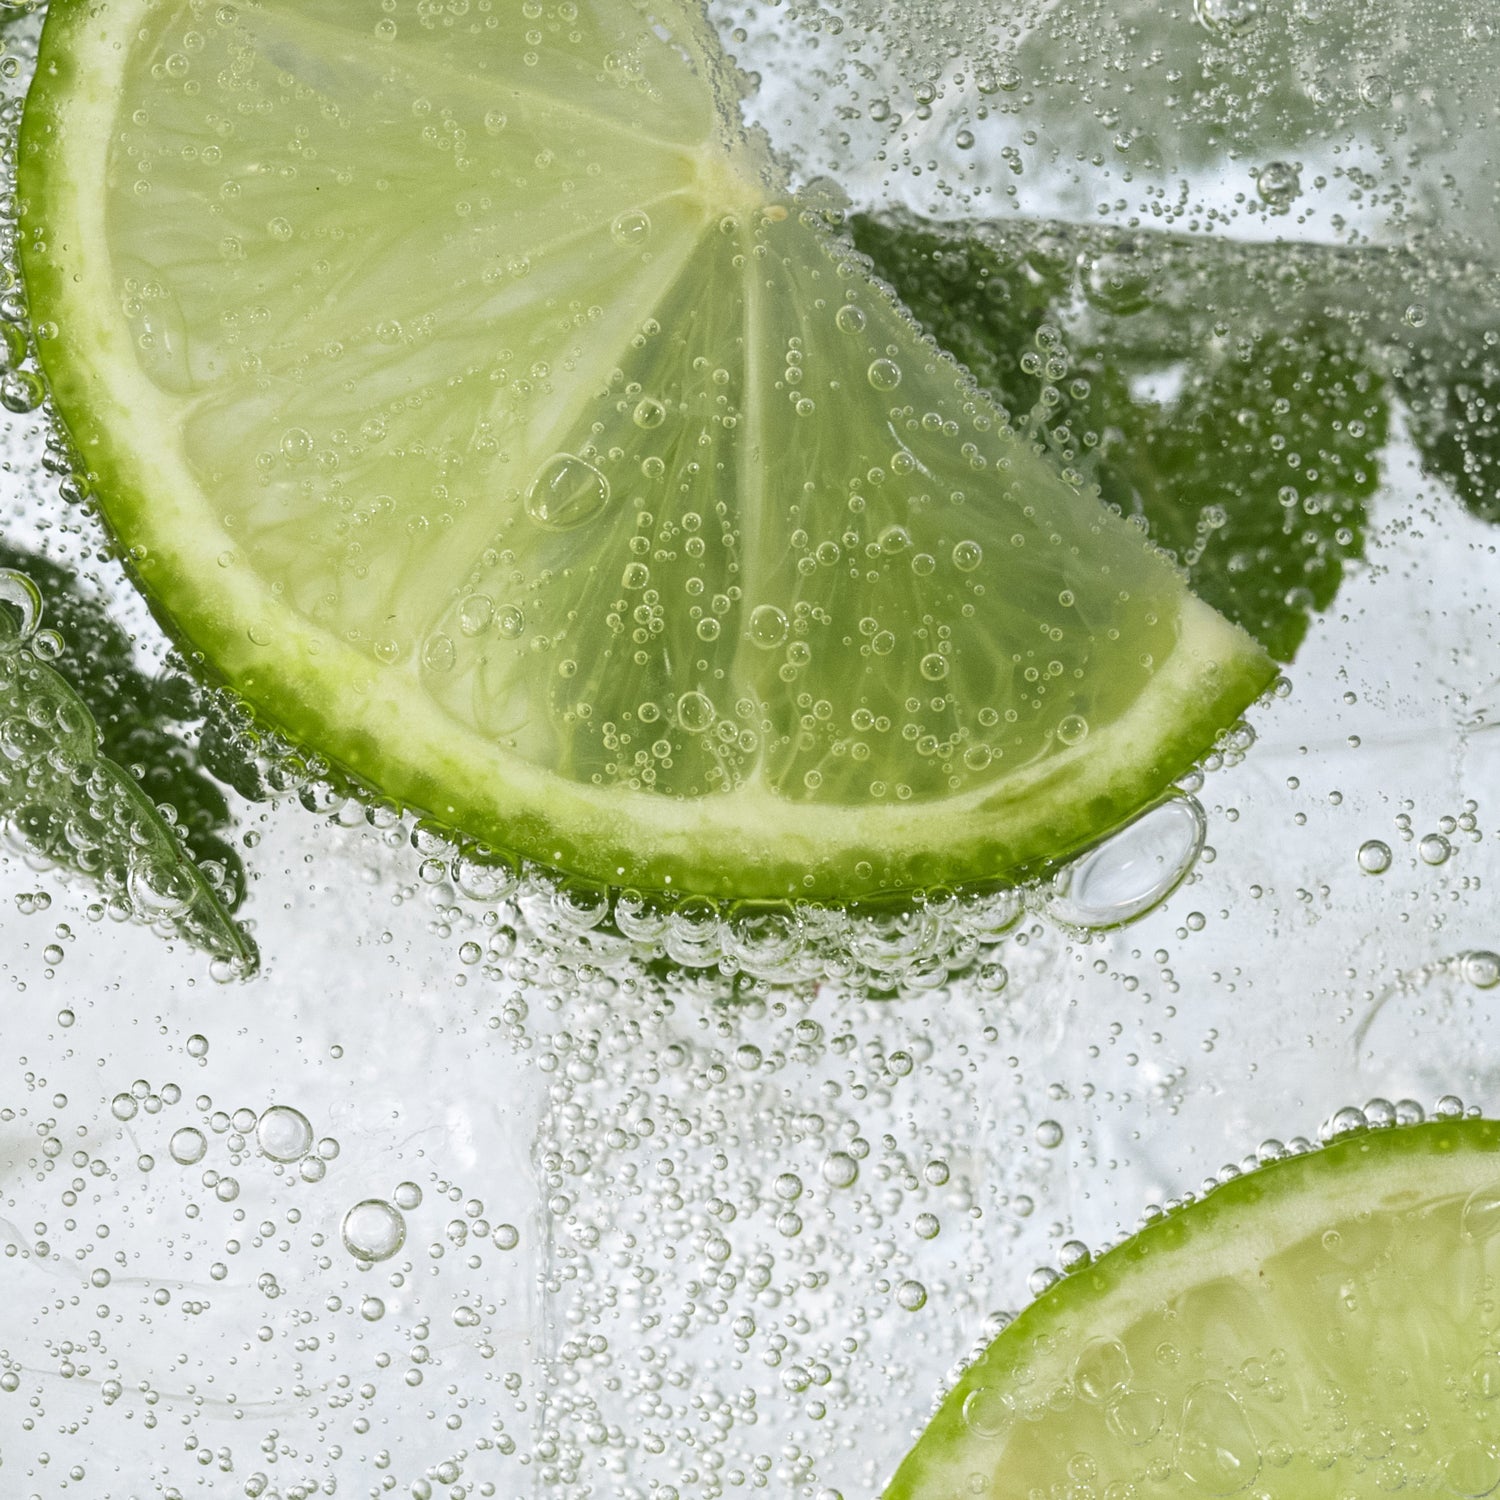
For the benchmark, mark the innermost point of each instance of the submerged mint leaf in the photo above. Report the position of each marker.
(1247, 439)
(1452, 386)
(85, 771)
(1256, 477)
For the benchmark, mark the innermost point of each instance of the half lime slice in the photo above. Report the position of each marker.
(474, 396)
(1325, 1326)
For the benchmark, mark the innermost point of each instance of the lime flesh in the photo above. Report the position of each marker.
(474, 398)
(1322, 1327)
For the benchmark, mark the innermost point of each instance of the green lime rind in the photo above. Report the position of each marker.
(1255, 1339)
(497, 748)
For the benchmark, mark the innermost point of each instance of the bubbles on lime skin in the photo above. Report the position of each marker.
(568, 492)
(1224, 1421)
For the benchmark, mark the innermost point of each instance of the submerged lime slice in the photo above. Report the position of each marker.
(476, 399)
(1325, 1326)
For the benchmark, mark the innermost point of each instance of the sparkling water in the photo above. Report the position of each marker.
(488, 1183)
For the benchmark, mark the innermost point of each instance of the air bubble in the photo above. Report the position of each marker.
(439, 653)
(840, 1170)
(160, 886)
(911, 1295)
(24, 598)
(1217, 1450)
(695, 712)
(566, 493)
(475, 614)
(987, 1413)
(1278, 183)
(1226, 18)
(1374, 857)
(1133, 870)
(1481, 968)
(631, 229)
(284, 1134)
(768, 627)
(188, 1146)
(884, 374)
(485, 876)
(1434, 849)
(1136, 1416)
(849, 319)
(649, 414)
(21, 391)
(1103, 1369)
(1118, 280)
(1480, 1218)
(373, 1230)
(1473, 1470)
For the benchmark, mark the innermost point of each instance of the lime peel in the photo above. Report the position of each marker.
(289, 583)
(1307, 1303)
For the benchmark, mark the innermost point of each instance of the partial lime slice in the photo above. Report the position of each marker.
(474, 396)
(1325, 1326)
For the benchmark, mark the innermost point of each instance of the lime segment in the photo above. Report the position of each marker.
(1321, 1327)
(476, 399)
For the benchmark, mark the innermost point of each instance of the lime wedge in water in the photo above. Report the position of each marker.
(1322, 1327)
(474, 396)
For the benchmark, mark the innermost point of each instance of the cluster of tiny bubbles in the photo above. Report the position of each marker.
(65, 804)
(1434, 848)
(272, 1284)
(1374, 1114)
(917, 942)
(502, 907)
(735, 1181)
(1382, 1114)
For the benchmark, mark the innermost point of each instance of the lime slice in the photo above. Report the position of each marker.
(474, 397)
(1324, 1326)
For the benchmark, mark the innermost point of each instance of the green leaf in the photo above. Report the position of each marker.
(1244, 430)
(96, 771)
